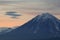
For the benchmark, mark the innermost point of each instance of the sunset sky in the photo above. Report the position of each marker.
(27, 9)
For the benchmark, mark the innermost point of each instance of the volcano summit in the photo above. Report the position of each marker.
(42, 27)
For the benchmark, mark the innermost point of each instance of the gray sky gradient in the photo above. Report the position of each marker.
(53, 5)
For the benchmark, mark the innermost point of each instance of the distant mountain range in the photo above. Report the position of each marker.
(5, 30)
(42, 27)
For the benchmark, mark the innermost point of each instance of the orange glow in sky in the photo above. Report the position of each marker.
(28, 10)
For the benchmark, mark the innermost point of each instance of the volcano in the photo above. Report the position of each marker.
(41, 27)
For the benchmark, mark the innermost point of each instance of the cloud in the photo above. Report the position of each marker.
(13, 14)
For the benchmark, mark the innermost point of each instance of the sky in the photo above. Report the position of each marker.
(15, 12)
(44, 5)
